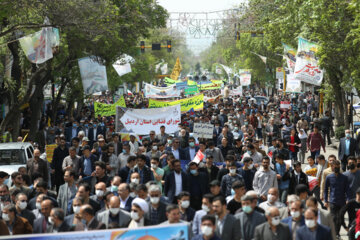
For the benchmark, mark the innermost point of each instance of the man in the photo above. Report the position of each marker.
(15, 224)
(115, 183)
(37, 166)
(192, 149)
(173, 215)
(117, 144)
(84, 192)
(123, 157)
(326, 125)
(314, 142)
(326, 172)
(72, 161)
(264, 179)
(178, 152)
(353, 175)
(210, 169)
(234, 201)
(37, 210)
(57, 218)
(249, 218)
(100, 189)
(273, 228)
(225, 147)
(206, 208)
(282, 173)
(21, 204)
(42, 225)
(175, 182)
(229, 179)
(254, 155)
(297, 176)
(56, 164)
(215, 188)
(208, 226)
(272, 131)
(296, 220)
(138, 210)
(67, 191)
(312, 230)
(272, 200)
(157, 208)
(18, 182)
(99, 176)
(114, 214)
(199, 185)
(351, 208)
(324, 217)
(347, 147)
(112, 164)
(134, 144)
(144, 171)
(74, 220)
(227, 226)
(124, 172)
(88, 215)
(162, 136)
(214, 152)
(42, 187)
(336, 192)
(187, 213)
(72, 131)
(87, 162)
(248, 173)
(125, 198)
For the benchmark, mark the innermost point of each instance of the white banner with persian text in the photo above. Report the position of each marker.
(203, 130)
(151, 91)
(93, 75)
(245, 77)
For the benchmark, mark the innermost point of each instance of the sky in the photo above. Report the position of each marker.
(197, 45)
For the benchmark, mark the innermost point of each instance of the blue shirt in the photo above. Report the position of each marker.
(339, 189)
(347, 146)
(281, 169)
(87, 166)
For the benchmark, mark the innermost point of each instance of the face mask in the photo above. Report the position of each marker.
(246, 123)
(94, 125)
(135, 180)
(22, 205)
(205, 208)
(185, 204)
(247, 209)
(251, 166)
(132, 194)
(271, 198)
(114, 211)
(86, 125)
(99, 193)
(249, 152)
(347, 135)
(336, 170)
(295, 214)
(74, 125)
(38, 206)
(236, 128)
(206, 230)
(154, 200)
(232, 192)
(169, 141)
(124, 151)
(232, 171)
(134, 215)
(275, 221)
(351, 166)
(50, 221)
(310, 223)
(154, 148)
(193, 172)
(5, 217)
(154, 166)
(76, 209)
(114, 188)
(191, 144)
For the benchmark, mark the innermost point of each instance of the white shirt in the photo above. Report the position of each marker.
(176, 153)
(123, 203)
(178, 183)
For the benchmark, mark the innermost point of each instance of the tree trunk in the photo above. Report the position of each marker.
(341, 112)
(56, 102)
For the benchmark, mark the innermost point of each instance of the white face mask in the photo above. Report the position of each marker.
(295, 214)
(310, 223)
(154, 148)
(76, 209)
(132, 194)
(22, 205)
(271, 198)
(251, 166)
(99, 193)
(205, 208)
(275, 220)
(134, 215)
(185, 204)
(232, 171)
(114, 211)
(206, 230)
(154, 166)
(50, 221)
(135, 180)
(38, 206)
(154, 200)
(5, 217)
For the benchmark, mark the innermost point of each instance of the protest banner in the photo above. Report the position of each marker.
(142, 121)
(292, 85)
(280, 73)
(290, 56)
(285, 105)
(307, 67)
(39, 47)
(151, 91)
(203, 130)
(122, 69)
(158, 232)
(93, 75)
(49, 149)
(196, 102)
(181, 85)
(215, 84)
(106, 110)
(313, 182)
(193, 89)
(245, 77)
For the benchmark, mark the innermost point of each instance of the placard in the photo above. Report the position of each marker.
(203, 130)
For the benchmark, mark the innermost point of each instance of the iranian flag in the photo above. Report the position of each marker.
(198, 157)
(285, 105)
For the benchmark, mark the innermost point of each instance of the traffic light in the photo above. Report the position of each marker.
(142, 46)
(237, 36)
(169, 45)
(196, 78)
(281, 86)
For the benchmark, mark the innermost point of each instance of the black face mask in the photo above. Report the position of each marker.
(336, 170)
(351, 166)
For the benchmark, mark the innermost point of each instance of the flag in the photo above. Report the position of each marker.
(176, 71)
(263, 58)
(129, 93)
(198, 157)
(122, 69)
(192, 112)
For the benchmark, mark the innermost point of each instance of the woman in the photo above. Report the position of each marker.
(294, 143)
(303, 147)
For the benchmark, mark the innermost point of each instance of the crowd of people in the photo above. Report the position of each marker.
(250, 184)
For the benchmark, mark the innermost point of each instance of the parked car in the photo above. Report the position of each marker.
(14, 155)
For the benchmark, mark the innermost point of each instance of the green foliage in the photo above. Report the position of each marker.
(340, 132)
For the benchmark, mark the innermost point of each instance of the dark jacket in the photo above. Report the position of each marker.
(93, 159)
(288, 221)
(231, 228)
(161, 214)
(264, 232)
(147, 174)
(213, 172)
(190, 214)
(64, 227)
(56, 164)
(170, 185)
(42, 169)
(297, 142)
(183, 155)
(322, 233)
(128, 204)
(294, 181)
(96, 225)
(353, 148)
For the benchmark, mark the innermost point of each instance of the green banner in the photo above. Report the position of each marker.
(196, 102)
(106, 110)
(171, 81)
(192, 89)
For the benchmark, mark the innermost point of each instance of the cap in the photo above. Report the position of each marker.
(132, 134)
(86, 139)
(214, 183)
(101, 139)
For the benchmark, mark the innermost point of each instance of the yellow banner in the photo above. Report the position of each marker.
(103, 109)
(186, 104)
(50, 151)
(176, 71)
